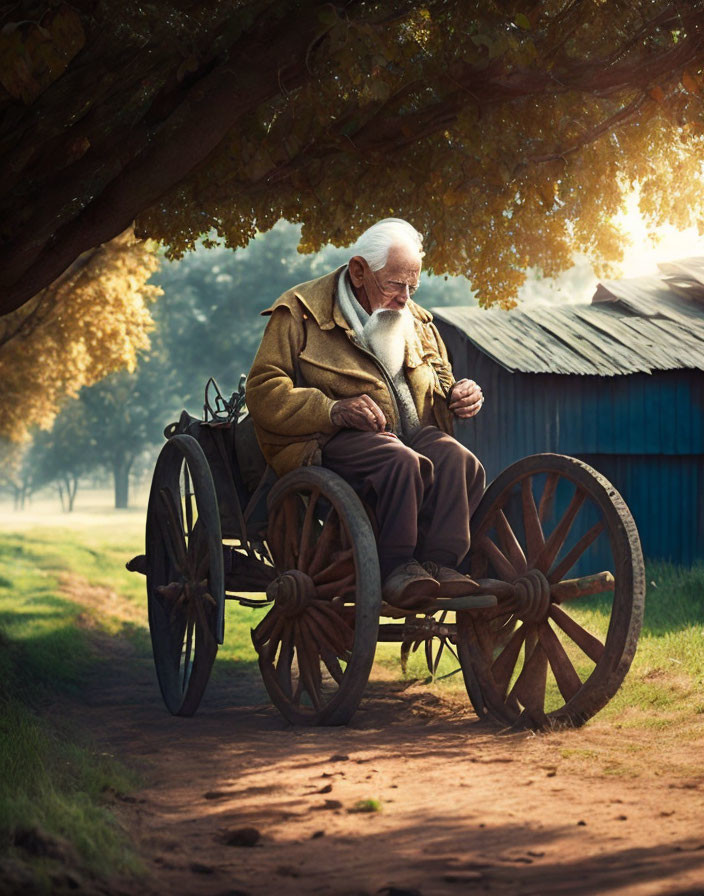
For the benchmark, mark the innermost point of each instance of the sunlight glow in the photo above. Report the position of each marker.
(641, 258)
(646, 248)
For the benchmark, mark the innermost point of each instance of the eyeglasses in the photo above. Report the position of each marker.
(394, 287)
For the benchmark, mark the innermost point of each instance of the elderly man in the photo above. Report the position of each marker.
(351, 373)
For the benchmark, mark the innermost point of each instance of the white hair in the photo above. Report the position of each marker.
(374, 244)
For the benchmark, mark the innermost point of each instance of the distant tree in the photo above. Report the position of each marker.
(16, 471)
(91, 321)
(126, 413)
(510, 132)
(64, 454)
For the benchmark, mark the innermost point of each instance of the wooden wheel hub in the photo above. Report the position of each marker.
(292, 592)
(532, 593)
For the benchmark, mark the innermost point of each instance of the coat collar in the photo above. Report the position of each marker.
(318, 297)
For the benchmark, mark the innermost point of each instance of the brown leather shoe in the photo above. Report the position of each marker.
(452, 583)
(409, 586)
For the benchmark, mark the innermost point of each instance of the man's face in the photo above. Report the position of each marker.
(391, 286)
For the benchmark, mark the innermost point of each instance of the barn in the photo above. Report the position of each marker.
(617, 382)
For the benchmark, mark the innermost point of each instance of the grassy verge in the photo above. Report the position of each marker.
(665, 681)
(50, 779)
(52, 782)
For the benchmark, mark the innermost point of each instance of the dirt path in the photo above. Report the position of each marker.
(463, 810)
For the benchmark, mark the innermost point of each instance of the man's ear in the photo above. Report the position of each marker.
(356, 269)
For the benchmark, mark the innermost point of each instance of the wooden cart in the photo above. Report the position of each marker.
(555, 561)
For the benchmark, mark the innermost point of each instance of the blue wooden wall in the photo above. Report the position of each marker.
(643, 432)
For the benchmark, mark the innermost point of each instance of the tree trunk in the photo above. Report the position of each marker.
(67, 491)
(121, 472)
(71, 489)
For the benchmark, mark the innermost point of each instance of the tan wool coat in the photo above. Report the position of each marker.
(309, 358)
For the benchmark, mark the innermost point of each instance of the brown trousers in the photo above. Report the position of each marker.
(423, 493)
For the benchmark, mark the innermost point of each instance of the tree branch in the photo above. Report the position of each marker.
(198, 126)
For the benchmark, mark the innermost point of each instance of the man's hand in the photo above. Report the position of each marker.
(466, 398)
(360, 412)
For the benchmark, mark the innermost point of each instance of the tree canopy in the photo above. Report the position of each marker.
(507, 130)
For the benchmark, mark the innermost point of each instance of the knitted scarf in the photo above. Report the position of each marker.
(359, 321)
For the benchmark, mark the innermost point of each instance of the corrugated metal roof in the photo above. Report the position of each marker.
(636, 325)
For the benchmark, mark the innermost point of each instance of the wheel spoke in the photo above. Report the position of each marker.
(332, 664)
(559, 572)
(342, 565)
(484, 637)
(328, 540)
(268, 651)
(305, 543)
(197, 553)
(187, 499)
(284, 662)
(558, 535)
(592, 646)
(332, 621)
(510, 544)
(504, 664)
(275, 538)
(565, 674)
(308, 662)
(501, 564)
(175, 544)
(428, 645)
(290, 553)
(187, 653)
(546, 498)
(262, 633)
(531, 522)
(332, 589)
(438, 656)
(324, 633)
(530, 685)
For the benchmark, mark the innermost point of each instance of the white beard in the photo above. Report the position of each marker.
(387, 332)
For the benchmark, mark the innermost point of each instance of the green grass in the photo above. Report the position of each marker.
(51, 778)
(370, 805)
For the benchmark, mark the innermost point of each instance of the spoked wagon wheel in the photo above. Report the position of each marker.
(185, 579)
(316, 645)
(555, 649)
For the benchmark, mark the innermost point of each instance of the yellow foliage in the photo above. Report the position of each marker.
(90, 322)
(525, 176)
(508, 133)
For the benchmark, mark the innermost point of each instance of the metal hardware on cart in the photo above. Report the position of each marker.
(218, 409)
